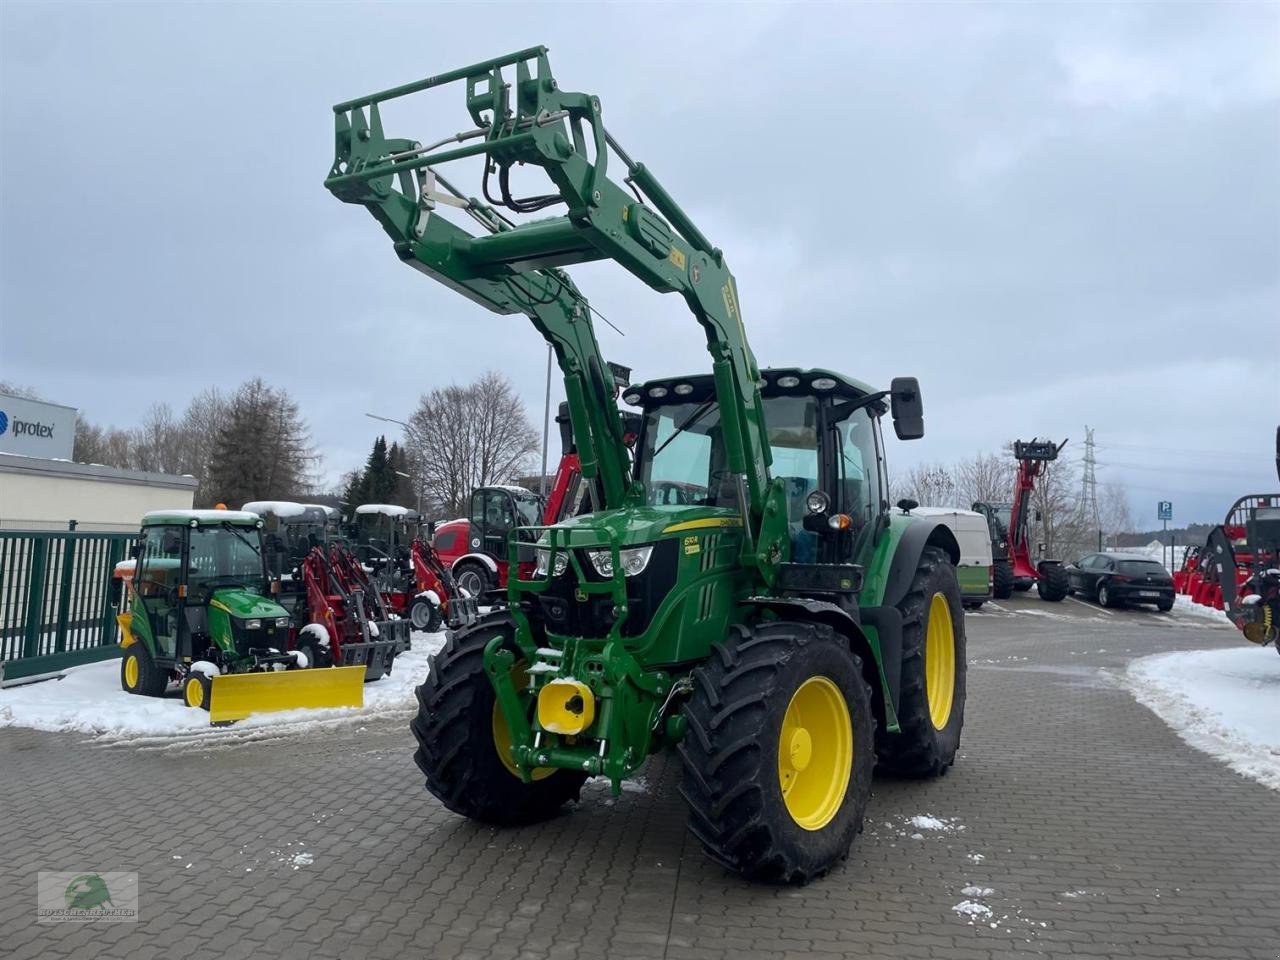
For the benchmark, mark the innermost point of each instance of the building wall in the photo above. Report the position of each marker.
(45, 495)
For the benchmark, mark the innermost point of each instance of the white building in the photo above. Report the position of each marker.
(41, 494)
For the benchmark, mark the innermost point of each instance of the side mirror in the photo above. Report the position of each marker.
(907, 408)
(135, 551)
(431, 529)
(906, 504)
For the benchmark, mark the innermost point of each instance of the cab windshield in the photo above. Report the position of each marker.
(225, 557)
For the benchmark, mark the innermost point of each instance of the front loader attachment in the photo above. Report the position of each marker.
(235, 696)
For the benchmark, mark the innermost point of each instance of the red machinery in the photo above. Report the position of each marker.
(475, 548)
(413, 581)
(1239, 568)
(346, 620)
(1009, 525)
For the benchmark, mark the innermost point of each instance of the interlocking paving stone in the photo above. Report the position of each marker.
(1098, 830)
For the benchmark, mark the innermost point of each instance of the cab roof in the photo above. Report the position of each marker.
(702, 386)
(239, 518)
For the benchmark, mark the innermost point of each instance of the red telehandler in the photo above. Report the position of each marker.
(1012, 566)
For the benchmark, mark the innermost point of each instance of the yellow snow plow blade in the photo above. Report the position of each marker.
(236, 695)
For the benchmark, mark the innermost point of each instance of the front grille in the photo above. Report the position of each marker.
(564, 614)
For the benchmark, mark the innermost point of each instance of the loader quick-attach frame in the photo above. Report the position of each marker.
(596, 659)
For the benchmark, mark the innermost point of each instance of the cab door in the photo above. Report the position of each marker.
(498, 519)
(157, 586)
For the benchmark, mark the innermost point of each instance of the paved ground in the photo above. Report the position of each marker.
(1097, 830)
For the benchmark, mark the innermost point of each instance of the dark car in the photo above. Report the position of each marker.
(1116, 578)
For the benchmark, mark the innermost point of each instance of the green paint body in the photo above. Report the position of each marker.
(516, 269)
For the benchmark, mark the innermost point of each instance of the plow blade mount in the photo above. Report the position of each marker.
(235, 696)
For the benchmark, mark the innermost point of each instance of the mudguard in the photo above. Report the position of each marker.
(875, 670)
(886, 618)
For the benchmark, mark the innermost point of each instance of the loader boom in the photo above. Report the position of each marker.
(517, 268)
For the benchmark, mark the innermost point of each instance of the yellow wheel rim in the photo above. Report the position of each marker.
(940, 661)
(815, 753)
(193, 692)
(131, 671)
(502, 733)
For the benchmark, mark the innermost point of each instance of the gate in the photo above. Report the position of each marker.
(56, 599)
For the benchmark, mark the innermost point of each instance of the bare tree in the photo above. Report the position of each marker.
(1054, 502)
(110, 446)
(158, 441)
(204, 418)
(984, 476)
(19, 390)
(1113, 509)
(930, 484)
(461, 438)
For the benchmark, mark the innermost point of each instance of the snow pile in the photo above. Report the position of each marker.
(1224, 702)
(972, 909)
(1184, 604)
(972, 891)
(929, 822)
(89, 700)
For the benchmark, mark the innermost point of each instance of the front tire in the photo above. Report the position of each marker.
(474, 577)
(779, 751)
(934, 668)
(459, 729)
(139, 673)
(1053, 582)
(1001, 580)
(425, 615)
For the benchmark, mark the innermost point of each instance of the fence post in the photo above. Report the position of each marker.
(35, 596)
(115, 553)
(64, 591)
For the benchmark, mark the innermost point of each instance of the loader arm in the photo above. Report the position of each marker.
(512, 267)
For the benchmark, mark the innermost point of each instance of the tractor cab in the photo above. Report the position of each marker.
(998, 516)
(824, 433)
(289, 531)
(384, 531)
(202, 592)
(496, 511)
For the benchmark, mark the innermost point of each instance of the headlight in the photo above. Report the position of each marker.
(253, 624)
(542, 559)
(634, 560)
(282, 621)
(817, 502)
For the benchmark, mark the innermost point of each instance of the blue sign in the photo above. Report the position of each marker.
(4, 421)
(1165, 510)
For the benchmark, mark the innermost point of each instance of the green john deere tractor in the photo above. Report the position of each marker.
(202, 611)
(778, 625)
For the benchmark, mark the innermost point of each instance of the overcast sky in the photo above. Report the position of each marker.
(1053, 215)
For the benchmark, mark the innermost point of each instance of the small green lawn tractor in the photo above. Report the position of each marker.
(776, 623)
(202, 610)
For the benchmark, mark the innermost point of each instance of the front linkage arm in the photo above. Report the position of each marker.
(512, 268)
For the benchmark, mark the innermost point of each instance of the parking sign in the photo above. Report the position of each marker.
(1166, 510)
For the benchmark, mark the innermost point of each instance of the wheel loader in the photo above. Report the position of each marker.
(739, 591)
(202, 610)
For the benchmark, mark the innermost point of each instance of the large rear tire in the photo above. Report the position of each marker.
(934, 667)
(459, 730)
(1001, 580)
(1053, 582)
(139, 673)
(779, 751)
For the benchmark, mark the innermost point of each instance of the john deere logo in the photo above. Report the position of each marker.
(87, 892)
(4, 421)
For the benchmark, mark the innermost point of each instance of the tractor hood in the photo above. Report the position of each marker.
(246, 605)
(636, 525)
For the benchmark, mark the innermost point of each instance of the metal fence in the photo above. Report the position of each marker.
(56, 600)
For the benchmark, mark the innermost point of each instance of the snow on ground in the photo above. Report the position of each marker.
(1182, 604)
(1224, 702)
(89, 700)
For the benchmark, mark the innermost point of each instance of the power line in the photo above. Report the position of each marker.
(1178, 451)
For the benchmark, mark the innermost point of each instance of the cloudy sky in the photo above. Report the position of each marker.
(1054, 215)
